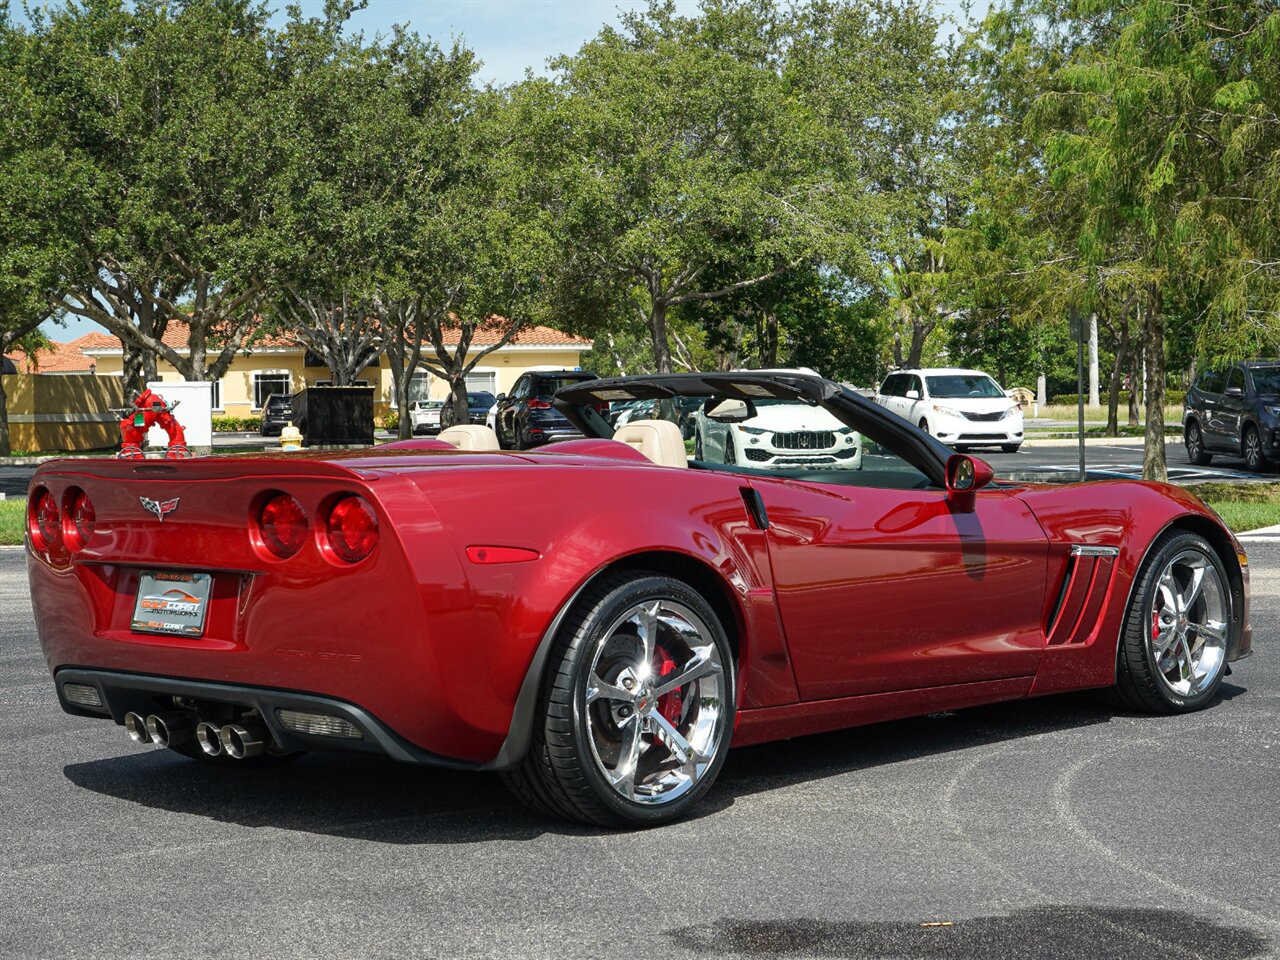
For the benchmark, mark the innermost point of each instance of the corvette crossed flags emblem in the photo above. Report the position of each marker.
(161, 508)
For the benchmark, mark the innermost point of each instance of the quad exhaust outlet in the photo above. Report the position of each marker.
(237, 740)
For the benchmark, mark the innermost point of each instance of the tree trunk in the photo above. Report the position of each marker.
(1117, 375)
(658, 334)
(5, 447)
(1042, 390)
(1093, 361)
(458, 390)
(1154, 466)
(769, 340)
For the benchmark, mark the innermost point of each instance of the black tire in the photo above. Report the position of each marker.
(1194, 441)
(263, 761)
(1251, 448)
(1010, 447)
(1139, 685)
(560, 775)
(730, 454)
(697, 445)
(924, 425)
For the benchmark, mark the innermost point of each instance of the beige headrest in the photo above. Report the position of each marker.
(659, 440)
(470, 436)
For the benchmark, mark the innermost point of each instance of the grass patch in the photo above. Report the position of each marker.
(1242, 506)
(13, 521)
(1090, 430)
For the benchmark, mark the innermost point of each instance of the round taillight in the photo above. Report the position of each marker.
(283, 525)
(352, 529)
(44, 521)
(79, 521)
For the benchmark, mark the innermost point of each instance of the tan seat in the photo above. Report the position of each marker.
(470, 436)
(659, 440)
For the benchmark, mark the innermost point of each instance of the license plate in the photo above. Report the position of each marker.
(173, 603)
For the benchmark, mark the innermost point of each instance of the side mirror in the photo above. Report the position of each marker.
(1233, 392)
(728, 409)
(913, 394)
(500, 397)
(965, 477)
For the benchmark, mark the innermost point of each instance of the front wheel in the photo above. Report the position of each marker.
(924, 425)
(637, 706)
(1173, 651)
(730, 453)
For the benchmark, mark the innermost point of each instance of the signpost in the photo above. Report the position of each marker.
(1078, 331)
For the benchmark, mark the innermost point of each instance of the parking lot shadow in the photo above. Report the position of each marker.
(372, 798)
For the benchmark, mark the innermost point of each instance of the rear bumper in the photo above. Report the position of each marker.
(144, 694)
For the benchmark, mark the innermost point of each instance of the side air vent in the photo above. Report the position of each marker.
(1089, 573)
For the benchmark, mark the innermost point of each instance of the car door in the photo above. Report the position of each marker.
(913, 406)
(509, 411)
(888, 589)
(890, 392)
(1207, 394)
(1230, 410)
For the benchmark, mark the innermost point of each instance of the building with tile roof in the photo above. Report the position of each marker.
(282, 365)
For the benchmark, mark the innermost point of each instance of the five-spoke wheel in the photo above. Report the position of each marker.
(637, 706)
(1174, 650)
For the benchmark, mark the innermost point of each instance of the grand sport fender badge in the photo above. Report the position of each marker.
(161, 508)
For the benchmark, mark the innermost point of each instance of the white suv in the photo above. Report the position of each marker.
(963, 408)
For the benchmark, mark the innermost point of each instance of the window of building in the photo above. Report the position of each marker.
(268, 382)
(486, 381)
(215, 395)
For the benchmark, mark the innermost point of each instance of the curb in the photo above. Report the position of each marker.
(1088, 442)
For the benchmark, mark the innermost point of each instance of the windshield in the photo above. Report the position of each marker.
(1266, 379)
(480, 400)
(959, 385)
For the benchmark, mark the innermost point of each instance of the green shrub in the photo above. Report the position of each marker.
(236, 424)
(391, 421)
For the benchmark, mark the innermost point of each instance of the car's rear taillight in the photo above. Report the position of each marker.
(352, 529)
(44, 521)
(282, 523)
(78, 520)
(536, 404)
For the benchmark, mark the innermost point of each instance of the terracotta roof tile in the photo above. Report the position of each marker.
(176, 336)
(57, 358)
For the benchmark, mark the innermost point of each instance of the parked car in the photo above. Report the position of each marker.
(1234, 411)
(780, 435)
(526, 419)
(425, 415)
(596, 621)
(963, 408)
(478, 404)
(277, 413)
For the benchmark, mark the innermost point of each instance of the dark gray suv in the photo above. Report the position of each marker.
(1235, 411)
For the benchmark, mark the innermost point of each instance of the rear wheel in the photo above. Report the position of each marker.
(1194, 440)
(1173, 652)
(637, 706)
(1251, 444)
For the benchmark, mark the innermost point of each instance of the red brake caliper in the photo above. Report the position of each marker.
(1155, 624)
(669, 704)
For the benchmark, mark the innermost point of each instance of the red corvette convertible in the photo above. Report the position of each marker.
(599, 619)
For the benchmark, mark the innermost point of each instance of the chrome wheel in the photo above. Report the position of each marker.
(654, 702)
(1194, 446)
(1189, 622)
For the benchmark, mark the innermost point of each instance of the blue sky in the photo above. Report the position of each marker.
(508, 36)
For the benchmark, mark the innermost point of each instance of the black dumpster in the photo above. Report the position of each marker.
(334, 416)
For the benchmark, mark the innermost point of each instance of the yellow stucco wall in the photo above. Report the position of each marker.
(506, 364)
(63, 412)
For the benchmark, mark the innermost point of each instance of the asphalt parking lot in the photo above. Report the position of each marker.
(1049, 828)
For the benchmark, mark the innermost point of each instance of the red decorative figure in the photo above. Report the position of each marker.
(151, 409)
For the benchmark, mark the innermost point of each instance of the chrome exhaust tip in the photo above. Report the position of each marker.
(170, 729)
(207, 735)
(136, 725)
(241, 742)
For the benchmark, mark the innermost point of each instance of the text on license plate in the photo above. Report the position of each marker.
(170, 602)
